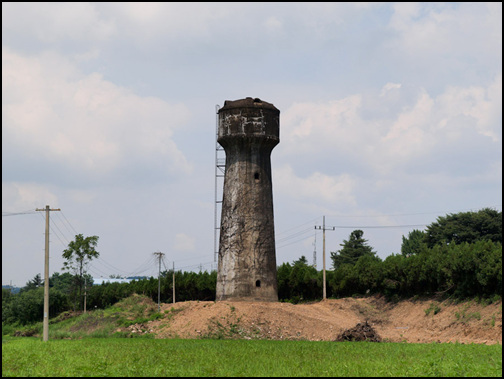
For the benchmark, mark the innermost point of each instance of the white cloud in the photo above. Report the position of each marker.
(86, 197)
(316, 187)
(273, 24)
(52, 111)
(448, 30)
(483, 105)
(412, 129)
(26, 196)
(54, 22)
(406, 136)
(314, 126)
(183, 243)
(148, 25)
(386, 108)
(389, 87)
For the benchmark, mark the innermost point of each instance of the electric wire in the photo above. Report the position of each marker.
(294, 235)
(28, 212)
(283, 241)
(64, 223)
(68, 222)
(51, 228)
(295, 227)
(93, 268)
(293, 242)
(52, 223)
(379, 226)
(196, 265)
(111, 267)
(163, 260)
(416, 213)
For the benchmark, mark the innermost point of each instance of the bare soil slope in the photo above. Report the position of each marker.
(406, 321)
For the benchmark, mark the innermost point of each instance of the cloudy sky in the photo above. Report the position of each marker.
(391, 116)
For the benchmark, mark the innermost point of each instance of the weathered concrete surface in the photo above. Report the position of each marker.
(248, 132)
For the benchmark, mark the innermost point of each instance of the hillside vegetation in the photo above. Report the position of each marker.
(457, 257)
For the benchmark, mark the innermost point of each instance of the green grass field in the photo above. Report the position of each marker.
(27, 356)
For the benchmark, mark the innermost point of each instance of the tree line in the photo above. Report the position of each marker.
(459, 255)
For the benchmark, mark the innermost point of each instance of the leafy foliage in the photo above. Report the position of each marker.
(28, 306)
(78, 254)
(464, 270)
(352, 250)
(298, 281)
(470, 227)
(458, 268)
(412, 244)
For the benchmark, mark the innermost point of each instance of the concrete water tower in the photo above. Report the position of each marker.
(248, 131)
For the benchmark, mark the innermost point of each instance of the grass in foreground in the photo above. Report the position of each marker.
(147, 357)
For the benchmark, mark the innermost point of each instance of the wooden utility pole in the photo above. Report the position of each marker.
(174, 282)
(85, 293)
(45, 323)
(159, 254)
(323, 256)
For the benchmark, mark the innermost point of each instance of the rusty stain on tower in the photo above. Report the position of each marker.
(248, 131)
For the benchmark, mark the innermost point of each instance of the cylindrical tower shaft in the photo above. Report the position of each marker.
(248, 131)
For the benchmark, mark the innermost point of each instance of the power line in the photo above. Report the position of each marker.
(65, 223)
(111, 267)
(101, 273)
(56, 234)
(379, 226)
(294, 242)
(295, 227)
(29, 212)
(164, 264)
(417, 213)
(69, 223)
(297, 234)
(147, 265)
(197, 265)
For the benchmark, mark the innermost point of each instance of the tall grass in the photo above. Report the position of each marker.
(148, 357)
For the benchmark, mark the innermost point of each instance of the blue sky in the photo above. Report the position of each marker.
(391, 115)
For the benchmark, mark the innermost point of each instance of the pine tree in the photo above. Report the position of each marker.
(352, 250)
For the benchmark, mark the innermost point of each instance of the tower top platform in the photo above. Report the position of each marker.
(248, 120)
(248, 102)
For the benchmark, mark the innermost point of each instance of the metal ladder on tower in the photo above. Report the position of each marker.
(220, 167)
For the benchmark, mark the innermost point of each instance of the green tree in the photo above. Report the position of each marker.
(352, 250)
(79, 253)
(303, 281)
(283, 275)
(27, 307)
(61, 282)
(36, 282)
(412, 244)
(484, 225)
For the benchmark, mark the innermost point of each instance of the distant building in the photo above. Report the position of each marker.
(99, 281)
(12, 289)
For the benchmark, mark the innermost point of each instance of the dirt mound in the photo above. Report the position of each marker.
(419, 321)
(360, 332)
